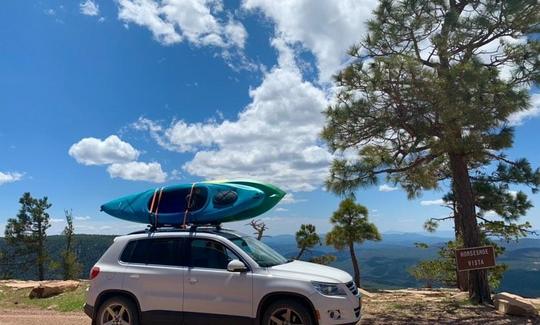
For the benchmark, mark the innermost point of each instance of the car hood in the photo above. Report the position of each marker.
(310, 272)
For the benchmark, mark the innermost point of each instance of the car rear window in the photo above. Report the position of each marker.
(157, 251)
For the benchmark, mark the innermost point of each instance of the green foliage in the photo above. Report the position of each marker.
(306, 238)
(70, 265)
(323, 259)
(492, 195)
(26, 233)
(350, 226)
(424, 101)
(89, 249)
(428, 271)
(443, 269)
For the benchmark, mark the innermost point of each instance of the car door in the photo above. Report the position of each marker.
(213, 295)
(154, 274)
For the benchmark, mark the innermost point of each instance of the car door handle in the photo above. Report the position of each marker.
(134, 276)
(193, 280)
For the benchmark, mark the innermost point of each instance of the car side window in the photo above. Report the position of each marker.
(156, 251)
(210, 254)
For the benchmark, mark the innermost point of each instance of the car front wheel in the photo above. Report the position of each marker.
(117, 311)
(287, 312)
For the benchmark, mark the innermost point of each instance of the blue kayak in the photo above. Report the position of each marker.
(205, 203)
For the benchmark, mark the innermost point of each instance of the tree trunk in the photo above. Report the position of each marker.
(355, 265)
(479, 291)
(40, 252)
(300, 253)
(462, 278)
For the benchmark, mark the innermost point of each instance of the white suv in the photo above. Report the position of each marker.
(214, 276)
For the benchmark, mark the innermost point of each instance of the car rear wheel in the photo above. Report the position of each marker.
(117, 311)
(287, 312)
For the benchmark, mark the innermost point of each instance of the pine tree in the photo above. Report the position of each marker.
(323, 259)
(26, 233)
(306, 238)
(425, 101)
(350, 226)
(70, 266)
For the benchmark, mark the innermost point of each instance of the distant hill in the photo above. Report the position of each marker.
(383, 264)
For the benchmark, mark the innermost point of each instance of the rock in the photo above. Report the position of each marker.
(511, 304)
(52, 288)
(366, 293)
(19, 284)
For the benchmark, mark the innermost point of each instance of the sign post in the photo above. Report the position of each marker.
(475, 258)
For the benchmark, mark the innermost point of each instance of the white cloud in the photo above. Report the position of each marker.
(138, 171)
(10, 177)
(275, 138)
(534, 111)
(93, 151)
(387, 188)
(326, 28)
(197, 21)
(85, 218)
(56, 220)
(89, 8)
(432, 202)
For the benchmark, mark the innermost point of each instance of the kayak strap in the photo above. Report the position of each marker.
(190, 197)
(157, 206)
(155, 203)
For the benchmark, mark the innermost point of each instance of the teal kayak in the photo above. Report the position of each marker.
(198, 203)
(272, 196)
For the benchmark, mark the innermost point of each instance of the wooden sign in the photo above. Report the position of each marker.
(475, 258)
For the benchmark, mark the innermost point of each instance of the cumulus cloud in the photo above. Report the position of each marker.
(275, 138)
(93, 151)
(387, 188)
(326, 28)
(85, 218)
(138, 171)
(10, 177)
(432, 202)
(197, 21)
(89, 8)
(534, 111)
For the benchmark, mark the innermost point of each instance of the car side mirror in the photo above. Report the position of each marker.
(236, 266)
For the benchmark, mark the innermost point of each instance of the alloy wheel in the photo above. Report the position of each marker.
(285, 316)
(115, 314)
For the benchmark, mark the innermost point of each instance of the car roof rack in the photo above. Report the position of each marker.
(177, 228)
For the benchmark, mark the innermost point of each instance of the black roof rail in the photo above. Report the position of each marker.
(190, 228)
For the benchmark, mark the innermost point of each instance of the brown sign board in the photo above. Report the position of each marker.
(474, 258)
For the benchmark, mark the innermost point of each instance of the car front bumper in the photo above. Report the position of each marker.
(337, 310)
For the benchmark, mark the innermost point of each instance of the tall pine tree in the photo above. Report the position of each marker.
(26, 233)
(70, 265)
(429, 97)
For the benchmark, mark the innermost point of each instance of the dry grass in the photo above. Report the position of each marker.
(15, 298)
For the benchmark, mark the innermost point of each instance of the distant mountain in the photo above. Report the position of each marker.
(383, 264)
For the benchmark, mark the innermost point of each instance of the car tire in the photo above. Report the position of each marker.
(119, 308)
(287, 310)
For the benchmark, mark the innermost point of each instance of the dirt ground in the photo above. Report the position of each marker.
(385, 307)
(27, 316)
(432, 307)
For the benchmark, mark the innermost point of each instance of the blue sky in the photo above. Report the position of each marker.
(103, 98)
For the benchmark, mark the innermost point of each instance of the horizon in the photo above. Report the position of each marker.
(98, 102)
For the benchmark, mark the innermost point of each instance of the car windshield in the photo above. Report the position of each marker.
(260, 252)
